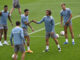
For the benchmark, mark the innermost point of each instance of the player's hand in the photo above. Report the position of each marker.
(67, 22)
(34, 21)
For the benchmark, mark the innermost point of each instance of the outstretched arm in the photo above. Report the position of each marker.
(38, 22)
(10, 20)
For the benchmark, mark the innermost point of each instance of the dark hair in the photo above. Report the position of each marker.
(5, 6)
(26, 10)
(49, 11)
(17, 23)
(63, 4)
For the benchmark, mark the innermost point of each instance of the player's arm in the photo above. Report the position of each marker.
(11, 39)
(28, 23)
(61, 20)
(0, 13)
(10, 19)
(22, 36)
(69, 19)
(38, 22)
(70, 16)
(53, 25)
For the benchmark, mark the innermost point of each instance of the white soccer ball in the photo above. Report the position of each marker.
(62, 33)
(57, 35)
(13, 56)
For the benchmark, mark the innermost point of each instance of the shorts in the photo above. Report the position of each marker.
(67, 24)
(25, 32)
(48, 35)
(3, 27)
(18, 48)
(16, 5)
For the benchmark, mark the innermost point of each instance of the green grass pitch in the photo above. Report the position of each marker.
(37, 11)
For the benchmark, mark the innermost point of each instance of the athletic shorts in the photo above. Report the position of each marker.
(67, 24)
(16, 5)
(48, 35)
(25, 32)
(3, 27)
(18, 48)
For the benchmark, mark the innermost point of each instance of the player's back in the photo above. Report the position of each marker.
(17, 35)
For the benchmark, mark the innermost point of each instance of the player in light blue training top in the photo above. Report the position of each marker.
(66, 18)
(19, 41)
(25, 23)
(50, 29)
(4, 16)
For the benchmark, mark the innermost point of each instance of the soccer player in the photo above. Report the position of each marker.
(16, 4)
(50, 30)
(19, 41)
(25, 23)
(4, 16)
(66, 17)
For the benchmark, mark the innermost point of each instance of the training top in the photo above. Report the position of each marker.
(49, 23)
(17, 35)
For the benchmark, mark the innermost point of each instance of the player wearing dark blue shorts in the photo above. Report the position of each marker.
(66, 18)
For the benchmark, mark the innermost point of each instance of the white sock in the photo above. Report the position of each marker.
(47, 47)
(72, 40)
(58, 46)
(66, 40)
(28, 48)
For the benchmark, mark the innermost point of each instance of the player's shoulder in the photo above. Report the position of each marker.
(68, 9)
(61, 11)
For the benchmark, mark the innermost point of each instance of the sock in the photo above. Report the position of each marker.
(0, 41)
(47, 47)
(28, 48)
(72, 40)
(58, 46)
(66, 40)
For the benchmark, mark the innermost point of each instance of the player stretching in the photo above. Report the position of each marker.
(3, 24)
(19, 41)
(66, 15)
(50, 30)
(16, 5)
(25, 23)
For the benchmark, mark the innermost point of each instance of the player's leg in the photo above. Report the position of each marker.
(23, 55)
(1, 32)
(22, 49)
(5, 35)
(66, 36)
(56, 41)
(11, 11)
(72, 35)
(28, 44)
(19, 9)
(47, 42)
(15, 56)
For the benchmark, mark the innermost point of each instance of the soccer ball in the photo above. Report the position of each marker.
(62, 33)
(57, 35)
(13, 56)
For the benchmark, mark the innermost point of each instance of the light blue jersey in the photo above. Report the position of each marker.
(23, 20)
(4, 18)
(49, 23)
(66, 14)
(18, 36)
